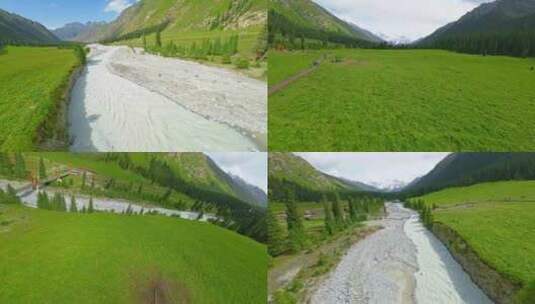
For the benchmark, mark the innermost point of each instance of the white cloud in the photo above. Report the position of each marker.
(250, 166)
(399, 19)
(117, 6)
(384, 170)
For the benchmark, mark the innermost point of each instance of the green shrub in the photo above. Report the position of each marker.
(242, 63)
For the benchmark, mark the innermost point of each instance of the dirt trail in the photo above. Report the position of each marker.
(109, 112)
(285, 83)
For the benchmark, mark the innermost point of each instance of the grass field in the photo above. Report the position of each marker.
(403, 100)
(499, 226)
(283, 65)
(32, 80)
(51, 257)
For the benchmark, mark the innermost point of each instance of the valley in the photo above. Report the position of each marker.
(466, 238)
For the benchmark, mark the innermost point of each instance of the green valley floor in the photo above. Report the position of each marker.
(401, 100)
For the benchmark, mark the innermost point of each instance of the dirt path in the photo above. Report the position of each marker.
(285, 83)
(110, 112)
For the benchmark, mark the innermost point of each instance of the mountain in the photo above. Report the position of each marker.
(19, 30)
(249, 193)
(502, 27)
(461, 169)
(289, 171)
(176, 16)
(307, 17)
(77, 31)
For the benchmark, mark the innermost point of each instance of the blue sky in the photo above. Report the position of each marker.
(56, 13)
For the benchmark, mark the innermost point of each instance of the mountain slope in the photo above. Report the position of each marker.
(77, 31)
(309, 15)
(503, 27)
(177, 16)
(289, 171)
(498, 16)
(15, 29)
(460, 169)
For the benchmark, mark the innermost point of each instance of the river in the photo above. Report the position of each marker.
(401, 263)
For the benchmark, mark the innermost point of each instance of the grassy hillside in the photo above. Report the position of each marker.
(73, 258)
(305, 24)
(15, 29)
(405, 100)
(497, 220)
(33, 83)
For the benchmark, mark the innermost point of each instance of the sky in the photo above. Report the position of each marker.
(250, 166)
(56, 13)
(400, 19)
(383, 170)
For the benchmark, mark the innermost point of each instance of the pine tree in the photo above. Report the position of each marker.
(42, 169)
(296, 234)
(144, 41)
(91, 208)
(328, 216)
(158, 39)
(20, 166)
(338, 213)
(275, 234)
(353, 215)
(73, 208)
(84, 175)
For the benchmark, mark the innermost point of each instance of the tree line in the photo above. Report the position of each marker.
(232, 212)
(336, 218)
(519, 43)
(425, 211)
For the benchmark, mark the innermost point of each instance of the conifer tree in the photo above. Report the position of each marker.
(158, 39)
(84, 175)
(91, 208)
(353, 215)
(73, 208)
(275, 234)
(338, 213)
(296, 234)
(20, 166)
(328, 217)
(42, 169)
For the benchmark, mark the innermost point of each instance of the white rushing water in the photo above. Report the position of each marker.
(29, 198)
(108, 113)
(401, 263)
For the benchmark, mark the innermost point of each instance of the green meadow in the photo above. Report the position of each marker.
(33, 80)
(498, 221)
(402, 100)
(53, 257)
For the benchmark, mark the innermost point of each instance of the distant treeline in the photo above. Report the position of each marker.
(521, 167)
(517, 44)
(289, 35)
(138, 33)
(281, 189)
(234, 213)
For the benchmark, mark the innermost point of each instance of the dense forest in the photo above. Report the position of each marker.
(235, 214)
(285, 34)
(512, 166)
(517, 44)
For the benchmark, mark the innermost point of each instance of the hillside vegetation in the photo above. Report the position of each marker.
(497, 220)
(34, 81)
(15, 29)
(182, 181)
(461, 103)
(106, 258)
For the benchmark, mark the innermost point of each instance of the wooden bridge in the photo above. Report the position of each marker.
(36, 184)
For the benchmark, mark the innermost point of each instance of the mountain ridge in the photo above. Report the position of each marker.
(15, 29)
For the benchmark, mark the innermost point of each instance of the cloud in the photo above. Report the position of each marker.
(250, 166)
(380, 169)
(117, 6)
(412, 19)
